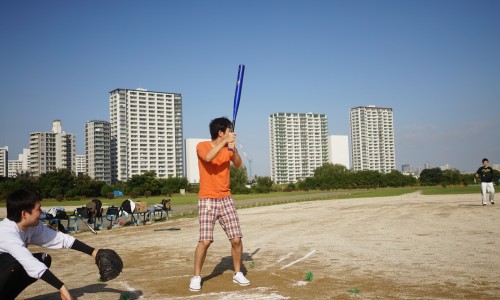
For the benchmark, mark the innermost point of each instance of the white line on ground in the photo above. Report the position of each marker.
(164, 278)
(300, 259)
(258, 293)
(284, 257)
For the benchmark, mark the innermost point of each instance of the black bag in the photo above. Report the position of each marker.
(83, 212)
(112, 213)
(61, 215)
(126, 206)
(113, 210)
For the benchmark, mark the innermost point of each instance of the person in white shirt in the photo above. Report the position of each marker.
(18, 266)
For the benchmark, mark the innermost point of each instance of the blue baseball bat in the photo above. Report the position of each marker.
(237, 94)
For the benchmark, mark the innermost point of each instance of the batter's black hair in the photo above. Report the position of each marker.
(219, 124)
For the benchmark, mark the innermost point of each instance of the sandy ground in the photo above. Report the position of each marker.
(404, 247)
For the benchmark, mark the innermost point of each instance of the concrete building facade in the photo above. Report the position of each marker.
(298, 145)
(4, 161)
(80, 164)
(20, 166)
(192, 171)
(146, 134)
(50, 151)
(372, 139)
(98, 150)
(338, 150)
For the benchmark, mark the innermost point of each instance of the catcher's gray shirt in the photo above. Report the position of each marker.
(15, 242)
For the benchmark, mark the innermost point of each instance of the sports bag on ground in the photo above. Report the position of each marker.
(94, 207)
(127, 206)
(112, 211)
(83, 212)
(61, 215)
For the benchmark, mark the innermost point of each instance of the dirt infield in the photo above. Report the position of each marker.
(404, 247)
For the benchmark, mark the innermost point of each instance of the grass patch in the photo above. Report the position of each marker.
(192, 198)
(383, 192)
(451, 190)
(189, 198)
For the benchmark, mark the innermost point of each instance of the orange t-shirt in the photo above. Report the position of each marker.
(214, 175)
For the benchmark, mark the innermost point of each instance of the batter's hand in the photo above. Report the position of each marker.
(230, 138)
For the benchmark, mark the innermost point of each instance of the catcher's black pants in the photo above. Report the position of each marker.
(13, 277)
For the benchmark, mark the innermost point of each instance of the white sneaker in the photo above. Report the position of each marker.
(195, 284)
(240, 279)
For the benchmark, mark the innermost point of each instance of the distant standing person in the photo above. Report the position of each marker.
(215, 202)
(486, 174)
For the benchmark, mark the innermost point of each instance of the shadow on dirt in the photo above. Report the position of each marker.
(87, 291)
(226, 263)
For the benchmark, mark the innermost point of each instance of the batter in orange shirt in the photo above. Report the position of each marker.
(215, 202)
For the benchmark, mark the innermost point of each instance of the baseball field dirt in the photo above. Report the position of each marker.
(403, 247)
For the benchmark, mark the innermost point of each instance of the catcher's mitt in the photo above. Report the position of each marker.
(109, 263)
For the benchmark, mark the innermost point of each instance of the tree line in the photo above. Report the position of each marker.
(65, 185)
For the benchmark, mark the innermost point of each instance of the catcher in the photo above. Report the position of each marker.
(19, 267)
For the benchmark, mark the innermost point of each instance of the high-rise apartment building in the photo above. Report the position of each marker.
(146, 133)
(80, 164)
(298, 145)
(192, 171)
(406, 168)
(4, 161)
(338, 150)
(98, 150)
(50, 151)
(20, 166)
(372, 139)
(15, 167)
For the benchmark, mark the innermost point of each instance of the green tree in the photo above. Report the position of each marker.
(105, 189)
(397, 179)
(367, 179)
(143, 182)
(331, 176)
(496, 176)
(307, 184)
(60, 180)
(263, 184)
(9, 185)
(238, 178)
(432, 176)
(173, 185)
(88, 187)
(452, 176)
(468, 179)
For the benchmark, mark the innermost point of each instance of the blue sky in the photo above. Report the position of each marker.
(436, 63)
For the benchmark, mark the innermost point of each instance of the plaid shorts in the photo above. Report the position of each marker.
(211, 210)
